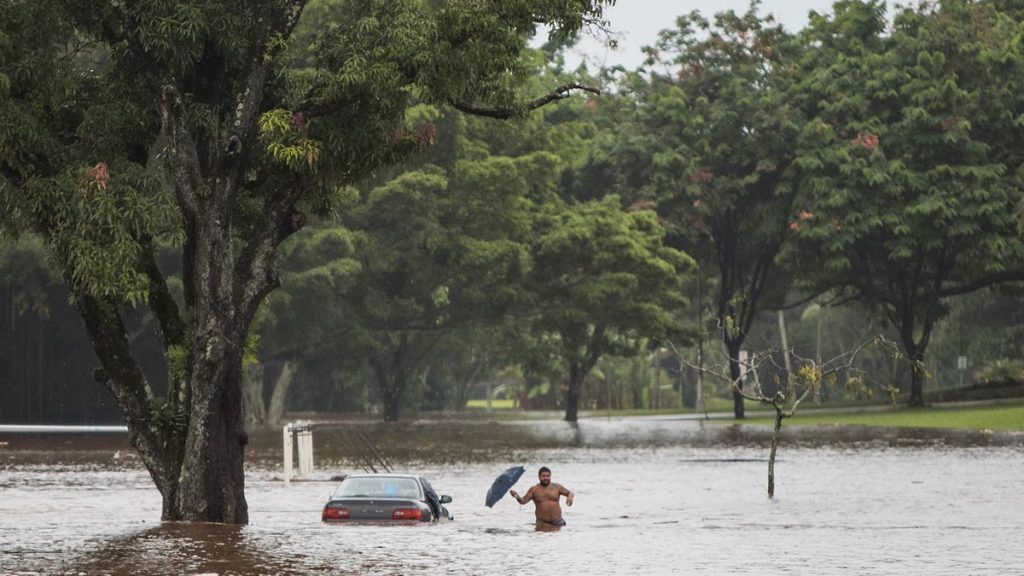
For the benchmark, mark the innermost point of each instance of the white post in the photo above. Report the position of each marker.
(309, 451)
(287, 453)
(305, 438)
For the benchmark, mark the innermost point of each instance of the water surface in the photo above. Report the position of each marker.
(661, 496)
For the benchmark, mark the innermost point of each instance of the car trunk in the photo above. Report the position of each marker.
(373, 508)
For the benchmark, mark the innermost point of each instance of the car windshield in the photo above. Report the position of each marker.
(378, 488)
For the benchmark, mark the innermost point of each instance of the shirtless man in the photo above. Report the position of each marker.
(545, 496)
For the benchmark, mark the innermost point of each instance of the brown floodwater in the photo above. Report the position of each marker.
(653, 495)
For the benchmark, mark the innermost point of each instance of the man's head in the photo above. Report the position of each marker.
(545, 475)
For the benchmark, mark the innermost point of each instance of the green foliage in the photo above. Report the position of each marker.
(600, 271)
(909, 175)
(25, 269)
(286, 142)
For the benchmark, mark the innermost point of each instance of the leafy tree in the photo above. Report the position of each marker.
(713, 135)
(436, 255)
(910, 168)
(127, 124)
(302, 325)
(601, 276)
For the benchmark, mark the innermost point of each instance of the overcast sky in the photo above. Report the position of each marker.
(638, 22)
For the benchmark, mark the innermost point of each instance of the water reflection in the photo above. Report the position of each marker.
(180, 548)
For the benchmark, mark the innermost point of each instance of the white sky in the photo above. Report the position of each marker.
(637, 23)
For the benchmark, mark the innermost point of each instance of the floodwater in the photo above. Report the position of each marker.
(654, 496)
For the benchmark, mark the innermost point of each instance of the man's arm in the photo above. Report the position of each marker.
(526, 497)
(562, 490)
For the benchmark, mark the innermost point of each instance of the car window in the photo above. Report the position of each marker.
(384, 487)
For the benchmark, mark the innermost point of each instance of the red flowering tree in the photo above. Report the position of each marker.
(911, 160)
(720, 132)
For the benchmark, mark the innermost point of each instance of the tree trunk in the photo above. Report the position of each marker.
(733, 349)
(253, 404)
(193, 443)
(914, 349)
(917, 376)
(212, 478)
(388, 363)
(258, 412)
(279, 397)
(572, 396)
(392, 402)
(776, 433)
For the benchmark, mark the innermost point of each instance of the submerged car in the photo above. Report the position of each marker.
(385, 498)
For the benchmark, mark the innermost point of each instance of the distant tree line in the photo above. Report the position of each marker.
(858, 176)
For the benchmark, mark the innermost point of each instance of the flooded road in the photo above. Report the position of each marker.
(659, 496)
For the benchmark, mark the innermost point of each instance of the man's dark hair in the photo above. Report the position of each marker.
(543, 469)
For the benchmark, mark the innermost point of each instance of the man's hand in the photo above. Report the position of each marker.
(568, 499)
(515, 495)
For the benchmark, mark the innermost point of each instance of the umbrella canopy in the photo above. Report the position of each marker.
(502, 483)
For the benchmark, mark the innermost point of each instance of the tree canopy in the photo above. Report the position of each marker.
(217, 127)
(909, 178)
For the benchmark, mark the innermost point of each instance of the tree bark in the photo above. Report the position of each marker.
(388, 365)
(212, 478)
(572, 395)
(915, 348)
(776, 433)
(917, 375)
(578, 370)
(733, 349)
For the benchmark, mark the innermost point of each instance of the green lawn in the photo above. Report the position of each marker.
(1000, 417)
(496, 404)
(994, 417)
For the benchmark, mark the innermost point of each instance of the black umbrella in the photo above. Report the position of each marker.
(502, 483)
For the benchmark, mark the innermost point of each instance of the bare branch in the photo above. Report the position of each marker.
(560, 93)
(989, 280)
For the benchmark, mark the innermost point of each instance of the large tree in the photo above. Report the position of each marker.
(910, 168)
(438, 252)
(709, 142)
(127, 123)
(601, 276)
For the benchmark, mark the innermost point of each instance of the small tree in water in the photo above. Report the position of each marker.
(808, 380)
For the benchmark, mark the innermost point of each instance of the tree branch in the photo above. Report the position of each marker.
(559, 93)
(255, 275)
(260, 58)
(989, 280)
(123, 377)
(161, 303)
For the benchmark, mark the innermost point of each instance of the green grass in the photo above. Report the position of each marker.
(995, 417)
(999, 417)
(496, 404)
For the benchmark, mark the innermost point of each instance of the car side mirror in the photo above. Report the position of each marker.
(446, 499)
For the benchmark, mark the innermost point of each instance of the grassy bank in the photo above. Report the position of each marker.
(995, 417)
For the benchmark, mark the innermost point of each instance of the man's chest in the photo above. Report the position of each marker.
(547, 494)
